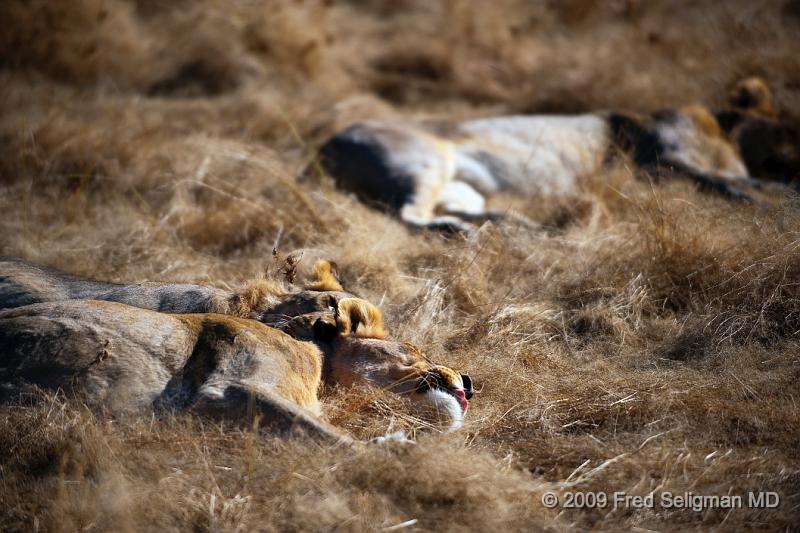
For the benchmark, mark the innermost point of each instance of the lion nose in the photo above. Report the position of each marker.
(467, 386)
(462, 399)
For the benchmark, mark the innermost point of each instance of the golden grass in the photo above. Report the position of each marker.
(645, 339)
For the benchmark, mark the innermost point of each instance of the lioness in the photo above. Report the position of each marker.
(24, 283)
(440, 176)
(125, 358)
(60, 328)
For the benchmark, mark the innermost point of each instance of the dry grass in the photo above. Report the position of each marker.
(646, 339)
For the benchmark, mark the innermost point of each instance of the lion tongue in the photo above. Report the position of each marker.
(461, 396)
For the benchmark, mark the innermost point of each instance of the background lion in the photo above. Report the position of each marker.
(442, 175)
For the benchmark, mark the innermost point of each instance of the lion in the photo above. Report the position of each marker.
(435, 175)
(127, 359)
(214, 351)
(24, 283)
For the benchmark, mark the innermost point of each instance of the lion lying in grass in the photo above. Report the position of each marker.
(128, 358)
(23, 283)
(441, 175)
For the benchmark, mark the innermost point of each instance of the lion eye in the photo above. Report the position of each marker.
(428, 382)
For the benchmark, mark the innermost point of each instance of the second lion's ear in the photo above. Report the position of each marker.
(359, 318)
(326, 277)
(753, 94)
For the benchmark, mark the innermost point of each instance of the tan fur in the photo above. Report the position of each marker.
(399, 367)
(711, 150)
(704, 120)
(450, 376)
(208, 362)
(299, 385)
(325, 277)
(259, 293)
(359, 318)
(753, 95)
(253, 297)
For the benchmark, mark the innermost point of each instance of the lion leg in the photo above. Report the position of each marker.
(432, 172)
(459, 199)
(769, 186)
(276, 415)
(712, 182)
(418, 216)
(444, 223)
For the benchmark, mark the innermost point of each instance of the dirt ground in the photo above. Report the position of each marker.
(644, 340)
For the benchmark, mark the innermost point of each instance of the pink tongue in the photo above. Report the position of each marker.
(462, 399)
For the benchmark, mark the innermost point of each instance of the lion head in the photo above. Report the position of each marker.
(351, 334)
(322, 310)
(753, 95)
(437, 392)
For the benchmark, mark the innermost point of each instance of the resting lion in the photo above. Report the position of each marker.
(24, 283)
(128, 358)
(440, 175)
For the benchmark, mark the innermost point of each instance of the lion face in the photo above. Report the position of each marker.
(322, 310)
(298, 313)
(351, 334)
(320, 316)
(438, 393)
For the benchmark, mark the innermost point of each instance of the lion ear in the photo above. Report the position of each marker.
(326, 277)
(359, 318)
(753, 94)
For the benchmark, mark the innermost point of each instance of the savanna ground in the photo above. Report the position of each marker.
(646, 339)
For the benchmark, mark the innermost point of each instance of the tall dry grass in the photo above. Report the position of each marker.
(644, 339)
